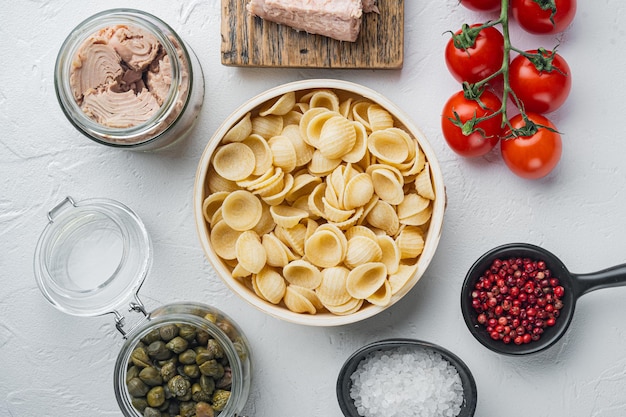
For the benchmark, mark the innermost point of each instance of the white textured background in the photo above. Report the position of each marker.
(52, 364)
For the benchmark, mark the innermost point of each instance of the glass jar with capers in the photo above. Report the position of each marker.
(181, 359)
(187, 360)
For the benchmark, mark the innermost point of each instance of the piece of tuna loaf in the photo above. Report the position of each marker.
(337, 19)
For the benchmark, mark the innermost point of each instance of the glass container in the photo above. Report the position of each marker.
(79, 69)
(92, 259)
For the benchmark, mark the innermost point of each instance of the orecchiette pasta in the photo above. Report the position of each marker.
(319, 202)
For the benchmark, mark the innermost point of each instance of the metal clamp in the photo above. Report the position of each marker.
(56, 208)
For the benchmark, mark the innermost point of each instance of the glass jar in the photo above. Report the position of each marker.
(92, 259)
(161, 115)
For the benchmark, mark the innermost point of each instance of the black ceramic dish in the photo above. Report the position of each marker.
(344, 383)
(575, 286)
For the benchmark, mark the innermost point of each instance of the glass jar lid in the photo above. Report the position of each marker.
(92, 256)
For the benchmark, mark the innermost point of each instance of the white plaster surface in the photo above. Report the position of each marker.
(53, 364)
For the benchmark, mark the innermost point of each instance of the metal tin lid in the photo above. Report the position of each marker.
(92, 257)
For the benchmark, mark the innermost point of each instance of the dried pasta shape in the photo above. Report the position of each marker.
(411, 242)
(271, 285)
(362, 250)
(324, 98)
(278, 254)
(390, 253)
(315, 126)
(387, 186)
(382, 296)
(276, 178)
(302, 203)
(292, 118)
(280, 105)
(217, 183)
(307, 119)
(359, 150)
(383, 216)
(351, 221)
(316, 204)
(240, 130)
(309, 294)
(346, 309)
(345, 108)
(311, 227)
(411, 204)
(339, 233)
(368, 208)
(267, 126)
(334, 214)
(304, 151)
(359, 230)
(359, 113)
(250, 252)
(223, 240)
(399, 279)
(303, 273)
(252, 182)
(241, 210)
(419, 162)
(283, 152)
(332, 289)
(287, 216)
(240, 272)
(303, 185)
(419, 219)
(234, 161)
(262, 153)
(388, 146)
(297, 302)
(293, 237)
(337, 137)
(324, 249)
(279, 197)
(266, 223)
(212, 204)
(365, 280)
(379, 118)
(358, 191)
(217, 216)
(423, 183)
(320, 165)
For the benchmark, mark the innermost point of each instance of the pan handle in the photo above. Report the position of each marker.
(606, 278)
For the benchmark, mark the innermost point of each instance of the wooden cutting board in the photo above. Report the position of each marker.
(252, 42)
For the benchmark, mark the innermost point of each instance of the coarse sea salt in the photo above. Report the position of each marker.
(406, 382)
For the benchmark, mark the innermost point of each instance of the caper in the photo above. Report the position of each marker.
(179, 386)
(177, 345)
(151, 376)
(202, 337)
(204, 356)
(156, 397)
(152, 336)
(132, 372)
(139, 357)
(215, 348)
(168, 371)
(207, 383)
(187, 332)
(192, 371)
(211, 317)
(136, 387)
(151, 412)
(204, 409)
(219, 399)
(187, 357)
(198, 394)
(228, 329)
(226, 380)
(187, 408)
(158, 350)
(168, 332)
(212, 368)
(139, 403)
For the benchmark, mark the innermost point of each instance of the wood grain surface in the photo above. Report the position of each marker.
(252, 42)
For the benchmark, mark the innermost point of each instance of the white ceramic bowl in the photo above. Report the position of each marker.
(322, 318)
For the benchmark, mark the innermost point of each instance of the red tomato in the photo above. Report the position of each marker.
(534, 15)
(478, 61)
(482, 5)
(541, 90)
(486, 133)
(533, 156)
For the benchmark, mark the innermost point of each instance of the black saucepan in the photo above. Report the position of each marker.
(575, 286)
